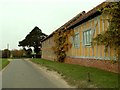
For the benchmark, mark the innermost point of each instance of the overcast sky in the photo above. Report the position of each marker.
(19, 17)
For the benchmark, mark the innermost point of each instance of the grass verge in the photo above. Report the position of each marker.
(3, 63)
(80, 76)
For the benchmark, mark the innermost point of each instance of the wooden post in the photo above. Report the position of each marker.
(118, 59)
(119, 66)
(89, 77)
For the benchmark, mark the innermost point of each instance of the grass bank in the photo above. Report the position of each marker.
(80, 76)
(3, 62)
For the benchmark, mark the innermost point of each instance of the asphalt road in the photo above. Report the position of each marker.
(22, 74)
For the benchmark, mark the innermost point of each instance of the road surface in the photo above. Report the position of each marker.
(23, 74)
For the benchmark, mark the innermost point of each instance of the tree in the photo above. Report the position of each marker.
(0, 53)
(17, 53)
(33, 39)
(6, 53)
(28, 52)
(111, 37)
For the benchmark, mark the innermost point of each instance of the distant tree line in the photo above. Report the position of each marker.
(12, 53)
(17, 53)
(5, 53)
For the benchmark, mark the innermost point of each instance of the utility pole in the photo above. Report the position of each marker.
(8, 46)
(8, 50)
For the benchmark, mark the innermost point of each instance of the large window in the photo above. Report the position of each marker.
(87, 37)
(76, 40)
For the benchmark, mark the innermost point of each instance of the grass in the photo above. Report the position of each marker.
(3, 63)
(79, 75)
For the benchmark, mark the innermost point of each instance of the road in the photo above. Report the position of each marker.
(23, 74)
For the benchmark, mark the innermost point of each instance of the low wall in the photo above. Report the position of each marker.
(101, 64)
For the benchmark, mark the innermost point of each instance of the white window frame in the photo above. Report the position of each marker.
(87, 37)
(76, 40)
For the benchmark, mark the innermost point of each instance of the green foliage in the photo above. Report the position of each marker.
(5, 62)
(33, 39)
(78, 75)
(111, 37)
(6, 53)
(62, 45)
(17, 53)
(28, 52)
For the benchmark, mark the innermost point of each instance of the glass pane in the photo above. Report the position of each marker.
(87, 37)
(84, 38)
(90, 36)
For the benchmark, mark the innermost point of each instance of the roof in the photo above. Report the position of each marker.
(80, 18)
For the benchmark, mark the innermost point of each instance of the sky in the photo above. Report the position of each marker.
(19, 17)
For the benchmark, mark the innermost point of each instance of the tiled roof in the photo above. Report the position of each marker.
(78, 18)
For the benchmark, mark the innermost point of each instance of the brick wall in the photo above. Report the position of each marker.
(101, 64)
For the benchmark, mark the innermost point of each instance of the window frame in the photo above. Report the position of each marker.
(76, 40)
(87, 37)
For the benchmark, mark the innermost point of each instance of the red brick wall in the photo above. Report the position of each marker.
(101, 64)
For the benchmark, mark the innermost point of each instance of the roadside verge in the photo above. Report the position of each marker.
(53, 76)
(81, 76)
